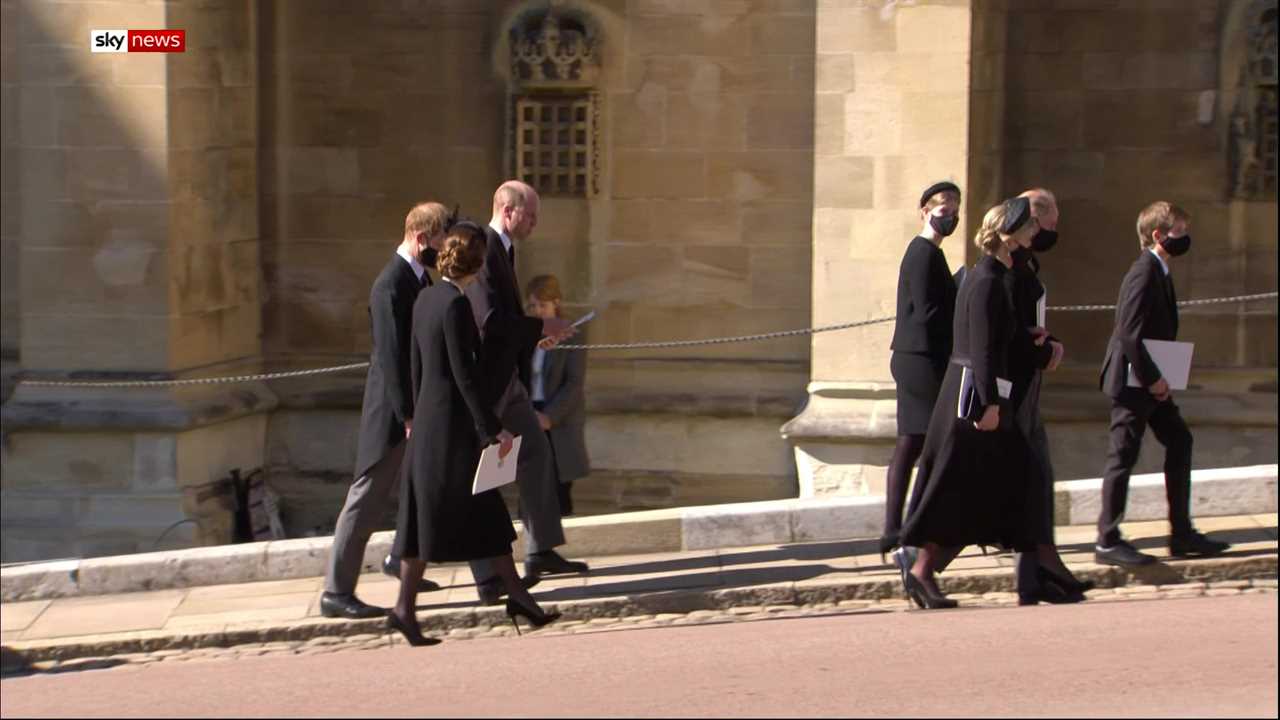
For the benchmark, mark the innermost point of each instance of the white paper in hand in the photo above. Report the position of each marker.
(1173, 359)
(1041, 306)
(493, 472)
(585, 318)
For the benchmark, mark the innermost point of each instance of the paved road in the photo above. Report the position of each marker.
(1212, 656)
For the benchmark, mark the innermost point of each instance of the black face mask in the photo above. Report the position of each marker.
(428, 256)
(1176, 246)
(1044, 240)
(944, 225)
(1021, 257)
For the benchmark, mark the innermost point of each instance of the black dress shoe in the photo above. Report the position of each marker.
(550, 563)
(1050, 592)
(1121, 554)
(391, 566)
(492, 590)
(1069, 585)
(1194, 544)
(347, 606)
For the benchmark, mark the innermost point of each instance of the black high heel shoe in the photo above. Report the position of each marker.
(1069, 584)
(536, 618)
(922, 596)
(888, 542)
(413, 637)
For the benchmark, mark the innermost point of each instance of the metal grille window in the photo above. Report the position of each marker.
(554, 143)
(1267, 137)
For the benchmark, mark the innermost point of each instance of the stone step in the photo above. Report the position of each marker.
(1215, 492)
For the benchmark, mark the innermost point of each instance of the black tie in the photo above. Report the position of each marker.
(511, 255)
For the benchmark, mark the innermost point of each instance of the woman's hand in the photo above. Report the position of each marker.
(1039, 334)
(1058, 352)
(504, 444)
(990, 419)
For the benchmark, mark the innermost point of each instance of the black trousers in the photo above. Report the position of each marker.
(1131, 413)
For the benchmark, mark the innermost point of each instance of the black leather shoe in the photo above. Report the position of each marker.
(391, 566)
(1195, 544)
(491, 591)
(347, 606)
(1121, 554)
(1050, 592)
(550, 563)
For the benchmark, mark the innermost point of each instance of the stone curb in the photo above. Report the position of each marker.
(1215, 492)
(1256, 570)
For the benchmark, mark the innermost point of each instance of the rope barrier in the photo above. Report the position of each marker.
(260, 377)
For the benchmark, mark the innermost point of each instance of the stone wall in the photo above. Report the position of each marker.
(700, 227)
(1114, 105)
(131, 186)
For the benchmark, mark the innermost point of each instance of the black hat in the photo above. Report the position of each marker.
(934, 189)
(1017, 211)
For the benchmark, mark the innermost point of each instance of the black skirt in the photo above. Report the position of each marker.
(971, 488)
(919, 378)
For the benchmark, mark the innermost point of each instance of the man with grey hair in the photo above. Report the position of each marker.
(509, 341)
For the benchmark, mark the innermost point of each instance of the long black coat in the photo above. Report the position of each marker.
(971, 485)
(1147, 310)
(440, 520)
(1026, 359)
(388, 395)
(926, 301)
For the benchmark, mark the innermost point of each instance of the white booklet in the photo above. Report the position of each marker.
(1173, 359)
(585, 318)
(1040, 309)
(968, 395)
(493, 472)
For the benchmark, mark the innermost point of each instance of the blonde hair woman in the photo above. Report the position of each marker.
(969, 490)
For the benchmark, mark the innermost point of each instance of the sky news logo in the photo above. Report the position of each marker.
(118, 41)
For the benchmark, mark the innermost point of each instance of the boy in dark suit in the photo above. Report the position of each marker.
(1147, 310)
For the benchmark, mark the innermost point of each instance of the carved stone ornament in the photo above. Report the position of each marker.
(552, 48)
(1252, 130)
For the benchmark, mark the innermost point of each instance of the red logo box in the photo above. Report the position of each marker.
(157, 41)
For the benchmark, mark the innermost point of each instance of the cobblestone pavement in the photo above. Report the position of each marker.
(737, 614)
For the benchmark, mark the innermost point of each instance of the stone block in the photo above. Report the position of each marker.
(703, 121)
(934, 122)
(843, 182)
(639, 118)
(829, 124)
(124, 175)
(873, 121)
(45, 462)
(837, 519)
(774, 34)
(645, 532)
(844, 29)
(835, 73)
(44, 580)
(928, 29)
(639, 174)
(126, 276)
(777, 223)
(635, 272)
(297, 558)
(144, 514)
(737, 525)
(208, 454)
(1169, 122)
(780, 121)
(778, 277)
(761, 175)
(1029, 126)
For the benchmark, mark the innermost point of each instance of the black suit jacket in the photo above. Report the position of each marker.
(510, 336)
(926, 301)
(388, 392)
(1025, 357)
(1147, 310)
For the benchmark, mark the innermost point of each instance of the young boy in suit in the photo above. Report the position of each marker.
(1147, 310)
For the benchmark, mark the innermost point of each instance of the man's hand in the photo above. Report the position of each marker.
(408, 428)
(990, 419)
(1039, 334)
(1160, 390)
(547, 343)
(1058, 352)
(544, 422)
(504, 444)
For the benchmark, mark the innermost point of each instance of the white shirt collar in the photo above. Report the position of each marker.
(1164, 265)
(506, 239)
(414, 263)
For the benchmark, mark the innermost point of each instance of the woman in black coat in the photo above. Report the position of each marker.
(970, 489)
(921, 343)
(440, 520)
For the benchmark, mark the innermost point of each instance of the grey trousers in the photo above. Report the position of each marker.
(368, 501)
(539, 501)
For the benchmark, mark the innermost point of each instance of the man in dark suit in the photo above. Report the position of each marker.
(1147, 310)
(510, 337)
(386, 417)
